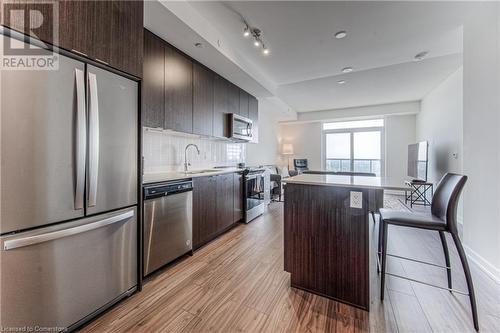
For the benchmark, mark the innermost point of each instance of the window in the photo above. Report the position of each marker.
(354, 146)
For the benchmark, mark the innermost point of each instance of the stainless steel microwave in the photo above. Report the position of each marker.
(240, 128)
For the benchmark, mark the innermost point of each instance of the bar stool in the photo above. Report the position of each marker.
(442, 219)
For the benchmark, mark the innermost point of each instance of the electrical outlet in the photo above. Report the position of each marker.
(356, 199)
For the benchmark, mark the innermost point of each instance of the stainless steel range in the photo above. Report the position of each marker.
(254, 193)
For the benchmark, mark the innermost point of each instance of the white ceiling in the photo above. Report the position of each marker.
(306, 60)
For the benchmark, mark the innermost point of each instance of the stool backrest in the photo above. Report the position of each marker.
(445, 199)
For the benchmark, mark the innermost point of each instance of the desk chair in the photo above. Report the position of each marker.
(443, 219)
(300, 164)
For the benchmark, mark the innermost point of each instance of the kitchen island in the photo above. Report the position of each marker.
(326, 233)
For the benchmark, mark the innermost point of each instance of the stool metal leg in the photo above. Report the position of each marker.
(446, 257)
(468, 278)
(384, 259)
(380, 240)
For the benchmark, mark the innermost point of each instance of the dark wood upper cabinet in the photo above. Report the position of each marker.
(178, 91)
(221, 121)
(79, 17)
(253, 114)
(127, 36)
(153, 87)
(233, 98)
(185, 96)
(243, 103)
(109, 32)
(225, 203)
(238, 197)
(101, 30)
(203, 100)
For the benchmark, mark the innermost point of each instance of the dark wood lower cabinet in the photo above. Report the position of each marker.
(326, 243)
(238, 192)
(204, 210)
(225, 203)
(213, 206)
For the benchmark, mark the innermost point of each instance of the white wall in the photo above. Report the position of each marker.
(481, 152)
(440, 122)
(306, 137)
(267, 150)
(306, 141)
(399, 133)
(361, 112)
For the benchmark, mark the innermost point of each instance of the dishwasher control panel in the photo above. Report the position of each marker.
(158, 190)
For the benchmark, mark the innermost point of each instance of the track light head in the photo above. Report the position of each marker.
(246, 31)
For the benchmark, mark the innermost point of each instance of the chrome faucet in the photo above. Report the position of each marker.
(186, 164)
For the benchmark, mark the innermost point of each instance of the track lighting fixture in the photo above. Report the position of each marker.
(257, 37)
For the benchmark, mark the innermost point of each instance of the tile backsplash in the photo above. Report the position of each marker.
(163, 151)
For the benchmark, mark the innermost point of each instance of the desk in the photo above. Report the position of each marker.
(418, 193)
(326, 241)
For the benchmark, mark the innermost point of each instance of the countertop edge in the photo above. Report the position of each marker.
(313, 183)
(166, 177)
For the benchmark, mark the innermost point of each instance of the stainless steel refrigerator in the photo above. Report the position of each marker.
(68, 193)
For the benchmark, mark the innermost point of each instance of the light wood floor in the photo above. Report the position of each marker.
(237, 284)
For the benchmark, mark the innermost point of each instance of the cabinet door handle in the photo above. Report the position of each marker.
(80, 53)
(102, 61)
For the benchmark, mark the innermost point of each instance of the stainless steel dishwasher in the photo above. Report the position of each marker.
(168, 223)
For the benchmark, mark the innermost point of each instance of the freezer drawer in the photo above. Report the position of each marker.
(56, 276)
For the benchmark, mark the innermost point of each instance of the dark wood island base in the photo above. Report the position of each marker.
(326, 241)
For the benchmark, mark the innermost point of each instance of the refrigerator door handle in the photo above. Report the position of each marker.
(81, 145)
(32, 240)
(93, 139)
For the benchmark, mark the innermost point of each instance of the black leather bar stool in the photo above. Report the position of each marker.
(443, 219)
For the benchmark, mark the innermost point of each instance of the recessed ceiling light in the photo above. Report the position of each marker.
(341, 81)
(198, 45)
(346, 69)
(421, 56)
(265, 50)
(341, 34)
(256, 43)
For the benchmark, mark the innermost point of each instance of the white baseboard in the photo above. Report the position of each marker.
(484, 265)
